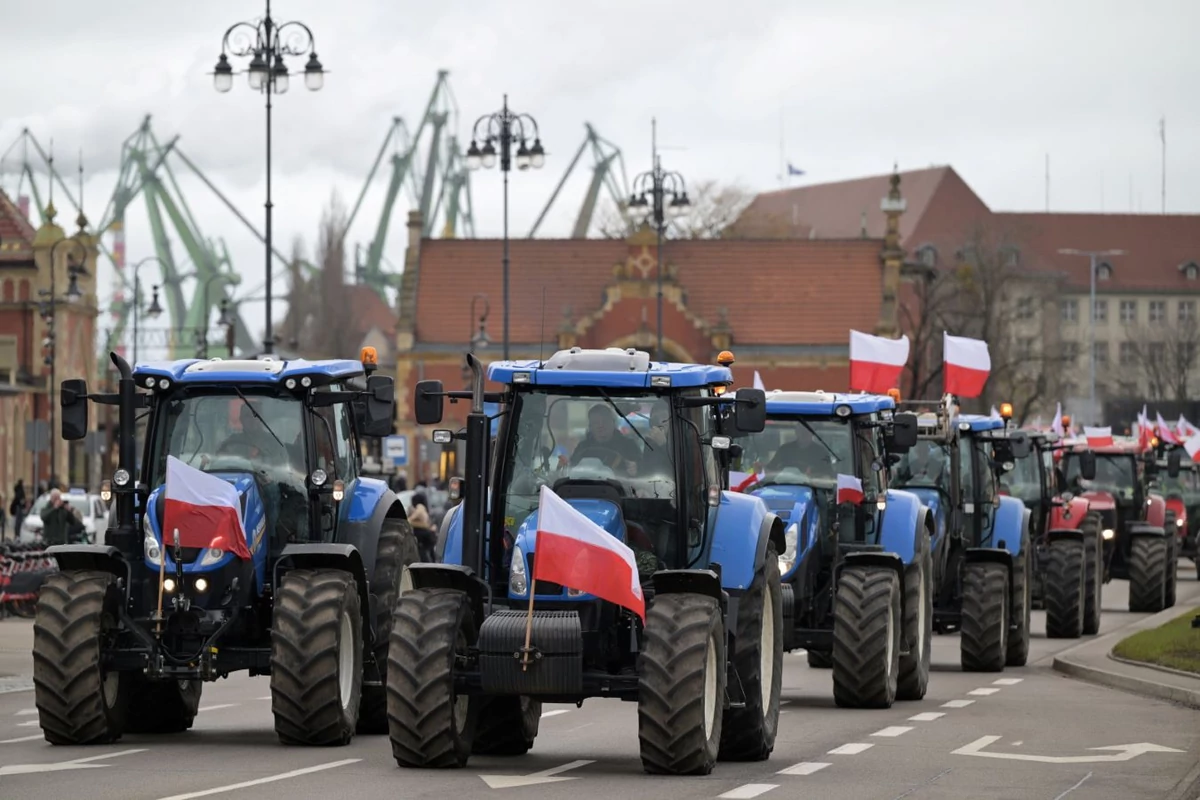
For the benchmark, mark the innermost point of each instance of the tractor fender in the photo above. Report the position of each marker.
(1145, 529)
(1068, 515)
(330, 555)
(935, 503)
(368, 506)
(100, 557)
(448, 576)
(1010, 525)
(1059, 534)
(1156, 510)
(994, 555)
(694, 581)
(742, 529)
(449, 544)
(899, 523)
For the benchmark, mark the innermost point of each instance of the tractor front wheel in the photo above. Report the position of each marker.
(985, 608)
(866, 638)
(1148, 574)
(1093, 553)
(918, 622)
(397, 549)
(1018, 639)
(1064, 587)
(507, 726)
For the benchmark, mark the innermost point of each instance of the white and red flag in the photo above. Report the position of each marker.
(740, 481)
(579, 554)
(849, 489)
(205, 509)
(876, 362)
(1165, 433)
(1144, 429)
(1057, 425)
(758, 381)
(1185, 428)
(967, 365)
(1098, 437)
(1192, 446)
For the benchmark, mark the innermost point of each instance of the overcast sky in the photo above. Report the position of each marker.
(989, 88)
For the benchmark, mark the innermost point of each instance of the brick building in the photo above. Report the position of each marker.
(25, 388)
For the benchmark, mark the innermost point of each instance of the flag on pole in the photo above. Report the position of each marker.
(740, 481)
(1098, 437)
(793, 170)
(1143, 426)
(577, 553)
(1057, 425)
(1186, 428)
(876, 362)
(967, 365)
(1165, 433)
(758, 382)
(206, 510)
(849, 489)
(1192, 446)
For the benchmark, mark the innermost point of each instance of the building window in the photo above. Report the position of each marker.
(1158, 310)
(1104, 272)
(1187, 310)
(1070, 351)
(1025, 308)
(1127, 353)
(1068, 310)
(1100, 353)
(1011, 257)
(1129, 311)
(1157, 352)
(1190, 270)
(1100, 311)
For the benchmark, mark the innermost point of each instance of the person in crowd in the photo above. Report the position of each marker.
(18, 507)
(422, 526)
(60, 523)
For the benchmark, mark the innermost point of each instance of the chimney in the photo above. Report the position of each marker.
(416, 227)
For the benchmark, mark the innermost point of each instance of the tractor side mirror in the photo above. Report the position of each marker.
(73, 399)
(379, 406)
(903, 435)
(1021, 446)
(427, 402)
(1087, 465)
(1174, 462)
(750, 411)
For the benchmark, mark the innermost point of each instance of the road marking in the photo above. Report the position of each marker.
(804, 768)
(852, 749)
(749, 790)
(26, 712)
(28, 724)
(893, 731)
(1007, 681)
(1122, 752)
(926, 716)
(1073, 788)
(214, 708)
(61, 766)
(555, 712)
(269, 779)
(22, 739)
(268, 697)
(983, 692)
(532, 779)
(957, 704)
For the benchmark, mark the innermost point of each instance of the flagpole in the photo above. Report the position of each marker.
(528, 625)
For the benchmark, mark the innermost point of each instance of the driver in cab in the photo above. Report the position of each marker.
(804, 453)
(253, 441)
(617, 451)
(924, 465)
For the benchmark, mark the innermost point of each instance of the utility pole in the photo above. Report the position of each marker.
(1092, 255)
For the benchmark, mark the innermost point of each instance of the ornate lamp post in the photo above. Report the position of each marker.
(478, 337)
(503, 128)
(202, 332)
(153, 311)
(48, 307)
(657, 183)
(267, 43)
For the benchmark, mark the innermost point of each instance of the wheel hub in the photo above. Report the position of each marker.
(346, 660)
(766, 664)
(710, 689)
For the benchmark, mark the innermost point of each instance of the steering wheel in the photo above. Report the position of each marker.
(592, 447)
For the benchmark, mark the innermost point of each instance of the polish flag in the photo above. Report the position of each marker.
(1186, 428)
(876, 362)
(968, 365)
(1164, 431)
(1098, 437)
(579, 554)
(1192, 445)
(1057, 425)
(205, 509)
(1144, 429)
(758, 383)
(849, 489)
(740, 481)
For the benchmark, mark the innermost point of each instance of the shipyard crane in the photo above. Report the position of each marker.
(605, 155)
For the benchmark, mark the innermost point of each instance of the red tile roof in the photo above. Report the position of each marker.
(776, 292)
(16, 233)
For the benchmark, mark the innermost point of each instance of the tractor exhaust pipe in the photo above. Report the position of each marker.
(126, 536)
(475, 473)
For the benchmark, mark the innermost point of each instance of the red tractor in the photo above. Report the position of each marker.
(1181, 486)
(1116, 481)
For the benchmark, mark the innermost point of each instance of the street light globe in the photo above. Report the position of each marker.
(223, 75)
(537, 155)
(259, 70)
(474, 156)
(489, 156)
(523, 157)
(155, 309)
(314, 74)
(280, 76)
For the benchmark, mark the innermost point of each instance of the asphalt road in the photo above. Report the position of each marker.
(973, 736)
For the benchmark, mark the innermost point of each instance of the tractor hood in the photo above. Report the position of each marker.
(1100, 501)
(602, 512)
(930, 498)
(787, 501)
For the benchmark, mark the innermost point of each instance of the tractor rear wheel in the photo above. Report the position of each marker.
(78, 700)
(397, 549)
(866, 637)
(1065, 584)
(1093, 554)
(1018, 639)
(681, 685)
(819, 660)
(748, 733)
(316, 657)
(1148, 574)
(918, 622)
(429, 724)
(166, 706)
(985, 608)
(507, 725)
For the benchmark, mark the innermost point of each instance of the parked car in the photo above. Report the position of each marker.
(90, 507)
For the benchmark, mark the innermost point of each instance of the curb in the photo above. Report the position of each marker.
(1147, 665)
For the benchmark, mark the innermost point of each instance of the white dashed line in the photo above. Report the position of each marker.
(28, 724)
(804, 768)
(749, 790)
(1007, 681)
(555, 712)
(216, 707)
(268, 697)
(983, 692)
(22, 739)
(957, 704)
(260, 781)
(926, 716)
(26, 712)
(893, 731)
(852, 749)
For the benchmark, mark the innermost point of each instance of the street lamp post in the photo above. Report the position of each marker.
(49, 312)
(503, 127)
(1092, 255)
(153, 311)
(658, 183)
(478, 338)
(227, 321)
(267, 43)
(202, 332)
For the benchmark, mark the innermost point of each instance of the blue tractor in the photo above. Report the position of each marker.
(981, 563)
(474, 655)
(130, 628)
(857, 571)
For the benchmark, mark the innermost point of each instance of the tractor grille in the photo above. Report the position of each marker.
(549, 588)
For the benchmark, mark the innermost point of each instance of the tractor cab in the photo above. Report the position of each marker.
(1178, 480)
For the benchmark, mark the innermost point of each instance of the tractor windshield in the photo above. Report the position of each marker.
(925, 466)
(1185, 485)
(1024, 482)
(804, 453)
(1115, 473)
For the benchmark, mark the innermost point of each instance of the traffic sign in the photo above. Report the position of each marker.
(395, 448)
(37, 436)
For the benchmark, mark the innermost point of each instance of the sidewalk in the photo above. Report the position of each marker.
(16, 655)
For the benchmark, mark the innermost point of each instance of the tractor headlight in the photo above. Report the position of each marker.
(1178, 523)
(791, 540)
(150, 546)
(211, 556)
(121, 477)
(201, 585)
(1107, 534)
(517, 583)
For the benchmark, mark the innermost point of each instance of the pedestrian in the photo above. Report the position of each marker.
(60, 523)
(3, 520)
(422, 528)
(17, 509)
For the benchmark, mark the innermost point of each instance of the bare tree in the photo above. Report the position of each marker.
(318, 319)
(712, 210)
(1166, 357)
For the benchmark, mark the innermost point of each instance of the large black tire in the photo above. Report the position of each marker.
(1093, 554)
(397, 549)
(983, 641)
(1148, 574)
(918, 622)
(866, 637)
(748, 733)
(165, 706)
(819, 660)
(507, 725)
(1064, 588)
(428, 723)
(681, 685)
(78, 701)
(316, 657)
(1018, 638)
(1172, 557)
